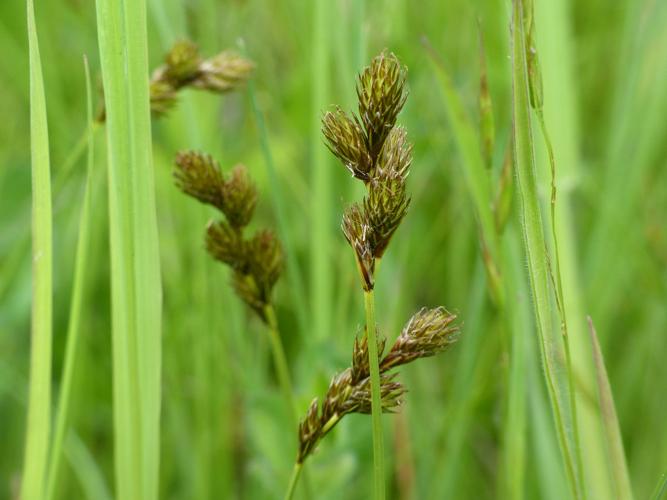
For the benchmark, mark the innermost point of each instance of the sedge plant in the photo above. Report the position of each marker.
(359, 142)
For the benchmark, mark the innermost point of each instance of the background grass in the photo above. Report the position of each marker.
(224, 428)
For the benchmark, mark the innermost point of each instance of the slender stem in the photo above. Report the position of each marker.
(296, 471)
(280, 360)
(376, 404)
(282, 367)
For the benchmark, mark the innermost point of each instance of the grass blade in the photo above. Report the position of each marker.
(553, 355)
(612, 429)
(320, 265)
(661, 488)
(135, 268)
(39, 403)
(474, 171)
(73, 331)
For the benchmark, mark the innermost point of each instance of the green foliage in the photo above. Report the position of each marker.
(477, 423)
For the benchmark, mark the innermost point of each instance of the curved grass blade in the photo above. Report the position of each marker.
(474, 171)
(612, 429)
(661, 488)
(73, 330)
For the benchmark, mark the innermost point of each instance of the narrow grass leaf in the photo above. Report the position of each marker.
(74, 327)
(661, 488)
(474, 170)
(39, 397)
(612, 429)
(553, 355)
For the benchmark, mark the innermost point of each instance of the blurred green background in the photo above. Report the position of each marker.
(224, 426)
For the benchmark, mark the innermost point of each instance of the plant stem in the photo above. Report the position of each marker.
(296, 471)
(280, 360)
(376, 403)
(282, 367)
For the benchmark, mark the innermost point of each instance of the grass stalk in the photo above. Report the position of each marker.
(376, 404)
(73, 331)
(291, 488)
(538, 262)
(39, 392)
(135, 267)
(282, 366)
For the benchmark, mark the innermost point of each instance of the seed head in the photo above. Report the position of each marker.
(198, 175)
(359, 234)
(346, 139)
(223, 73)
(239, 197)
(225, 244)
(263, 265)
(181, 65)
(360, 369)
(344, 396)
(162, 96)
(385, 206)
(429, 332)
(382, 93)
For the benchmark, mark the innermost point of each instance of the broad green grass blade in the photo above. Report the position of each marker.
(74, 327)
(620, 475)
(39, 398)
(135, 267)
(553, 355)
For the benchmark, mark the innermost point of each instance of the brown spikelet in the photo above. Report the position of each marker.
(358, 233)
(224, 72)
(225, 244)
(429, 332)
(198, 175)
(344, 396)
(345, 139)
(382, 93)
(265, 262)
(163, 97)
(385, 206)
(181, 65)
(239, 197)
(396, 154)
